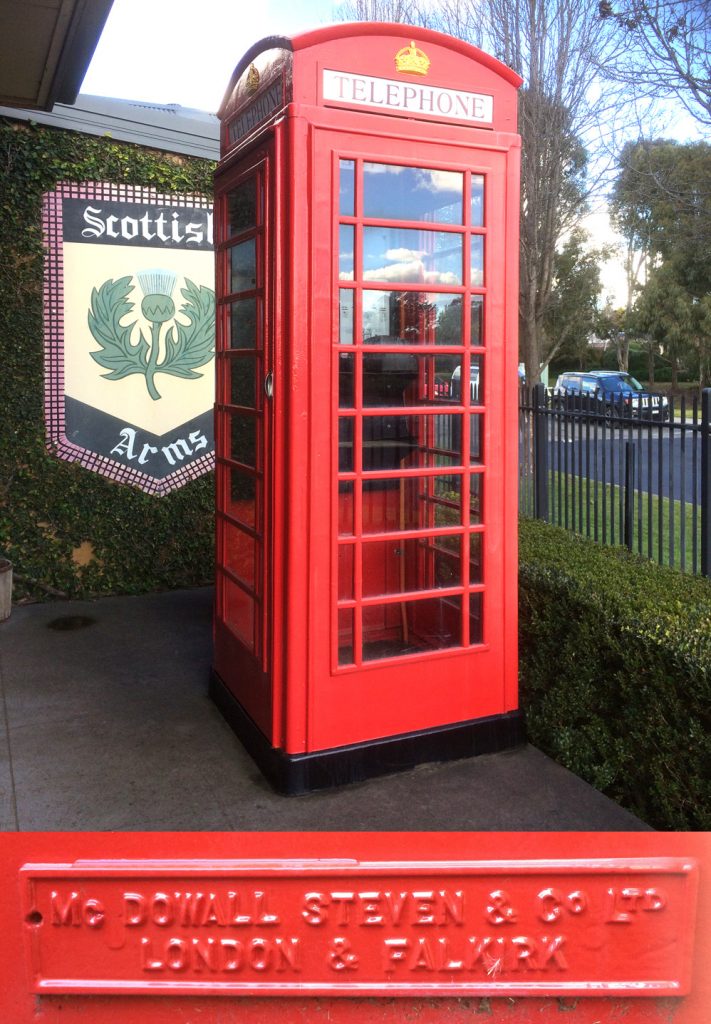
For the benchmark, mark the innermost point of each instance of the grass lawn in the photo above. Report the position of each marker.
(659, 528)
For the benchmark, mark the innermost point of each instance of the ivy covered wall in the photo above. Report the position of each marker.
(70, 532)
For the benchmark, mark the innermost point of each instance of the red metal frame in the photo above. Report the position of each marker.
(303, 700)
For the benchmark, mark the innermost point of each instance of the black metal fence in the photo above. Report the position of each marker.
(621, 473)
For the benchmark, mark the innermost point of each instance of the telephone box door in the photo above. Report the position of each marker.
(418, 436)
(244, 412)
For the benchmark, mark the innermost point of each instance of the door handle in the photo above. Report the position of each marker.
(269, 385)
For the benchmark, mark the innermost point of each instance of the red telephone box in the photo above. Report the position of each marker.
(367, 262)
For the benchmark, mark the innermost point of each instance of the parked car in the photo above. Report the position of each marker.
(618, 393)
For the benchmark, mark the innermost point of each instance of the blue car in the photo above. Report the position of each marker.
(619, 394)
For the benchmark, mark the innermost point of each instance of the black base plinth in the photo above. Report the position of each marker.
(301, 773)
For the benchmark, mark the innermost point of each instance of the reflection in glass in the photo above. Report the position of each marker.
(346, 237)
(411, 318)
(476, 625)
(412, 193)
(242, 381)
(477, 320)
(410, 256)
(347, 188)
(243, 440)
(429, 624)
(476, 381)
(477, 261)
(243, 266)
(243, 323)
(395, 379)
(346, 392)
(345, 316)
(477, 201)
(242, 207)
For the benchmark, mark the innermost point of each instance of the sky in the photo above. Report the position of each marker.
(184, 51)
(161, 51)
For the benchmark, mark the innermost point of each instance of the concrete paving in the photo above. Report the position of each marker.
(109, 726)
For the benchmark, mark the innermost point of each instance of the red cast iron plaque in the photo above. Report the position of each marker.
(342, 927)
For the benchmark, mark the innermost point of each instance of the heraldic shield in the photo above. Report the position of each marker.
(130, 333)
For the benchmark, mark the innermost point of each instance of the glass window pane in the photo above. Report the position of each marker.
(239, 553)
(347, 188)
(412, 193)
(411, 318)
(345, 445)
(242, 381)
(242, 497)
(243, 266)
(477, 261)
(242, 207)
(345, 636)
(411, 627)
(345, 571)
(477, 321)
(346, 245)
(412, 256)
(346, 391)
(239, 612)
(476, 616)
(345, 313)
(394, 567)
(476, 498)
(404, 442)
(476, 559)
(477, 200)
(395, 379)
(243, 440)
(243, 323)
(476, 438)
(345, 509)
(411, 503)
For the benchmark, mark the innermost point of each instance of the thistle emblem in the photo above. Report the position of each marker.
(182, 348)
(412, 61)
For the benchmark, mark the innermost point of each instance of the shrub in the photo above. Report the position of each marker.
(615, 673)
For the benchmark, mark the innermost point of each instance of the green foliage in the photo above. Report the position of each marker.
(67, 530)
(571, 315)
(616, 673)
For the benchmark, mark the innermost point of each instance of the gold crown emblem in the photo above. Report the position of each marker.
(252, 79)
(412, 60)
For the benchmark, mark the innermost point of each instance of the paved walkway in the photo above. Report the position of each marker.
(109, 727)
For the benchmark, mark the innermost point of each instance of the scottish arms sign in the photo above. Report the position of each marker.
(129, 333)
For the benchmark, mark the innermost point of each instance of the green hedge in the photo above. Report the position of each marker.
(68, 531)
(615, 673)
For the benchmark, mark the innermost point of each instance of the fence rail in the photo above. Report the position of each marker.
(625, 475)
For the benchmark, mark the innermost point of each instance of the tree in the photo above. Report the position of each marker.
(662, 198)
(665, 312)
(556, 47)
(664, 47)
(662, 201)
(572, 315)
